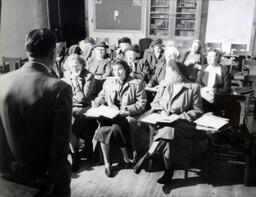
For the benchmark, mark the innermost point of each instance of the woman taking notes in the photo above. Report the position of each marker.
(128, 96)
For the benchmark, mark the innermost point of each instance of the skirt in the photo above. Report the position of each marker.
(113, 131)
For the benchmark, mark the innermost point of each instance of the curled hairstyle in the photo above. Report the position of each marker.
(40, 42)
(217, 54)
(124, 64)
(76, 57)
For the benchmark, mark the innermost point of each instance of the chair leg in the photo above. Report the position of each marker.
(186, 174)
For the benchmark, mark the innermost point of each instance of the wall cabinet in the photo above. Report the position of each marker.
(177, 20)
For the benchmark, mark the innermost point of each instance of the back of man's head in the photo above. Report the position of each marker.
(40, 43)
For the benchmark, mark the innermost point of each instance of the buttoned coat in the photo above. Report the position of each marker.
(187, 103)
(35, 125)
(133, 96)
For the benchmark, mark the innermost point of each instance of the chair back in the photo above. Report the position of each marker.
(237, 47)
(213, 45)
(10, 63)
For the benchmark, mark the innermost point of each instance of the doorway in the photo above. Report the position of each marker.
(67, 20)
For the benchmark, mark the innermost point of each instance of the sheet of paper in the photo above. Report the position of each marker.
(102, 110)
(157, 118)
(211, 122)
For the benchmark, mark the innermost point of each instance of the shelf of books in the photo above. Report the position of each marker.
(186, 18)
(159, 18)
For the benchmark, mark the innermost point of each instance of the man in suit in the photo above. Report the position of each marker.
(35, 121)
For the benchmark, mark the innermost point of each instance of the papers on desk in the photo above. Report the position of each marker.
(155, 118)
(102, 111)
(210, 122)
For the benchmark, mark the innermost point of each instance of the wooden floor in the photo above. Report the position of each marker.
(91, 181)
(226, 181)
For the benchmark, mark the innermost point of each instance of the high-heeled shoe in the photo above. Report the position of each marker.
(167, 177)
(109, 172)
(138, 167)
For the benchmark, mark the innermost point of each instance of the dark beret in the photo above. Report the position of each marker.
(39, 42)
(101, 44)
(156, 42)
(134, 48)
(124, 40)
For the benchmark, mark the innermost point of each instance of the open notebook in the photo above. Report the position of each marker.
(155, 118)
(102, 111)
(211, 122)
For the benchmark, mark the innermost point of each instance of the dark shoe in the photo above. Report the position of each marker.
(137, 168)
(127, 165)
(109, 172)
(166, 178)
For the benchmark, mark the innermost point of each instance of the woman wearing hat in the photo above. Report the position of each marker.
(126, 94)
(193, 59)
(174, 142)
(99, 64)
(123, 44)
(153, 55)
(138, 69)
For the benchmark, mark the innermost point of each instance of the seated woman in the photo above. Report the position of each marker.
(170, 53)
(175, 96)
(99, 64)
(193, 59)
(83, 86)
(126, 94)
(153, 55)
(138, 69)
(214, 79)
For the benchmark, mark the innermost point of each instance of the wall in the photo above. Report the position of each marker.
(18, 17)
(114, 35)
(230, 21)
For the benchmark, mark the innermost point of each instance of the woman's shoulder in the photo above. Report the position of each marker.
(136, 82)
(191, 85)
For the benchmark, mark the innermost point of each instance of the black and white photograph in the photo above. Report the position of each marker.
(127, 98)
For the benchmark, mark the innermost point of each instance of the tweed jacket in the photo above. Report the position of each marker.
(35, 124)
(133, 96)
(222, 83)
(140, 70)
(186, 102)
(100, 68)
(85, 91)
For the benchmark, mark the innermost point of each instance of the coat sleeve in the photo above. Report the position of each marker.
(196, 106)
(141, 100)
(107, 70)
(226, 82)
(61, 129)
(89, 85)
(101, 98)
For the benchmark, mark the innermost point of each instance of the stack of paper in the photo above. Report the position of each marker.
(103, 111)
(157, 118)
(210, 122)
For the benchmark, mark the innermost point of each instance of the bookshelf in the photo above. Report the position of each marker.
(178, 20)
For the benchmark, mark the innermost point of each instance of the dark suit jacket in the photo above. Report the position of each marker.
(35, 122)
(160, 72)
(222, 83)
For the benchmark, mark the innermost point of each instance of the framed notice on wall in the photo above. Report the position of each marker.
(118, 15)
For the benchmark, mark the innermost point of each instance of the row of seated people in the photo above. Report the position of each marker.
(122, 90)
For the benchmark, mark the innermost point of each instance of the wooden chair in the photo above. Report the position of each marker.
(238, 54)
(10, 64)
(213, 45)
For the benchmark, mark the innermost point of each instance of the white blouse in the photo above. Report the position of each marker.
(213, 71)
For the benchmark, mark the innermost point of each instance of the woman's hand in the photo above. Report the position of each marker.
(95, 104)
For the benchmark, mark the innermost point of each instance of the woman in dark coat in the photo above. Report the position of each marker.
(177, 97)
(127, 95)
(84, 91)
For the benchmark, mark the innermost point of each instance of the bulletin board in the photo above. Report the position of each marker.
(118, 14)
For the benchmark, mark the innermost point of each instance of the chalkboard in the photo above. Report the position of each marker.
(118, 14)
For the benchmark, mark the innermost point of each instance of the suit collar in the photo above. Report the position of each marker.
(38, 66)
